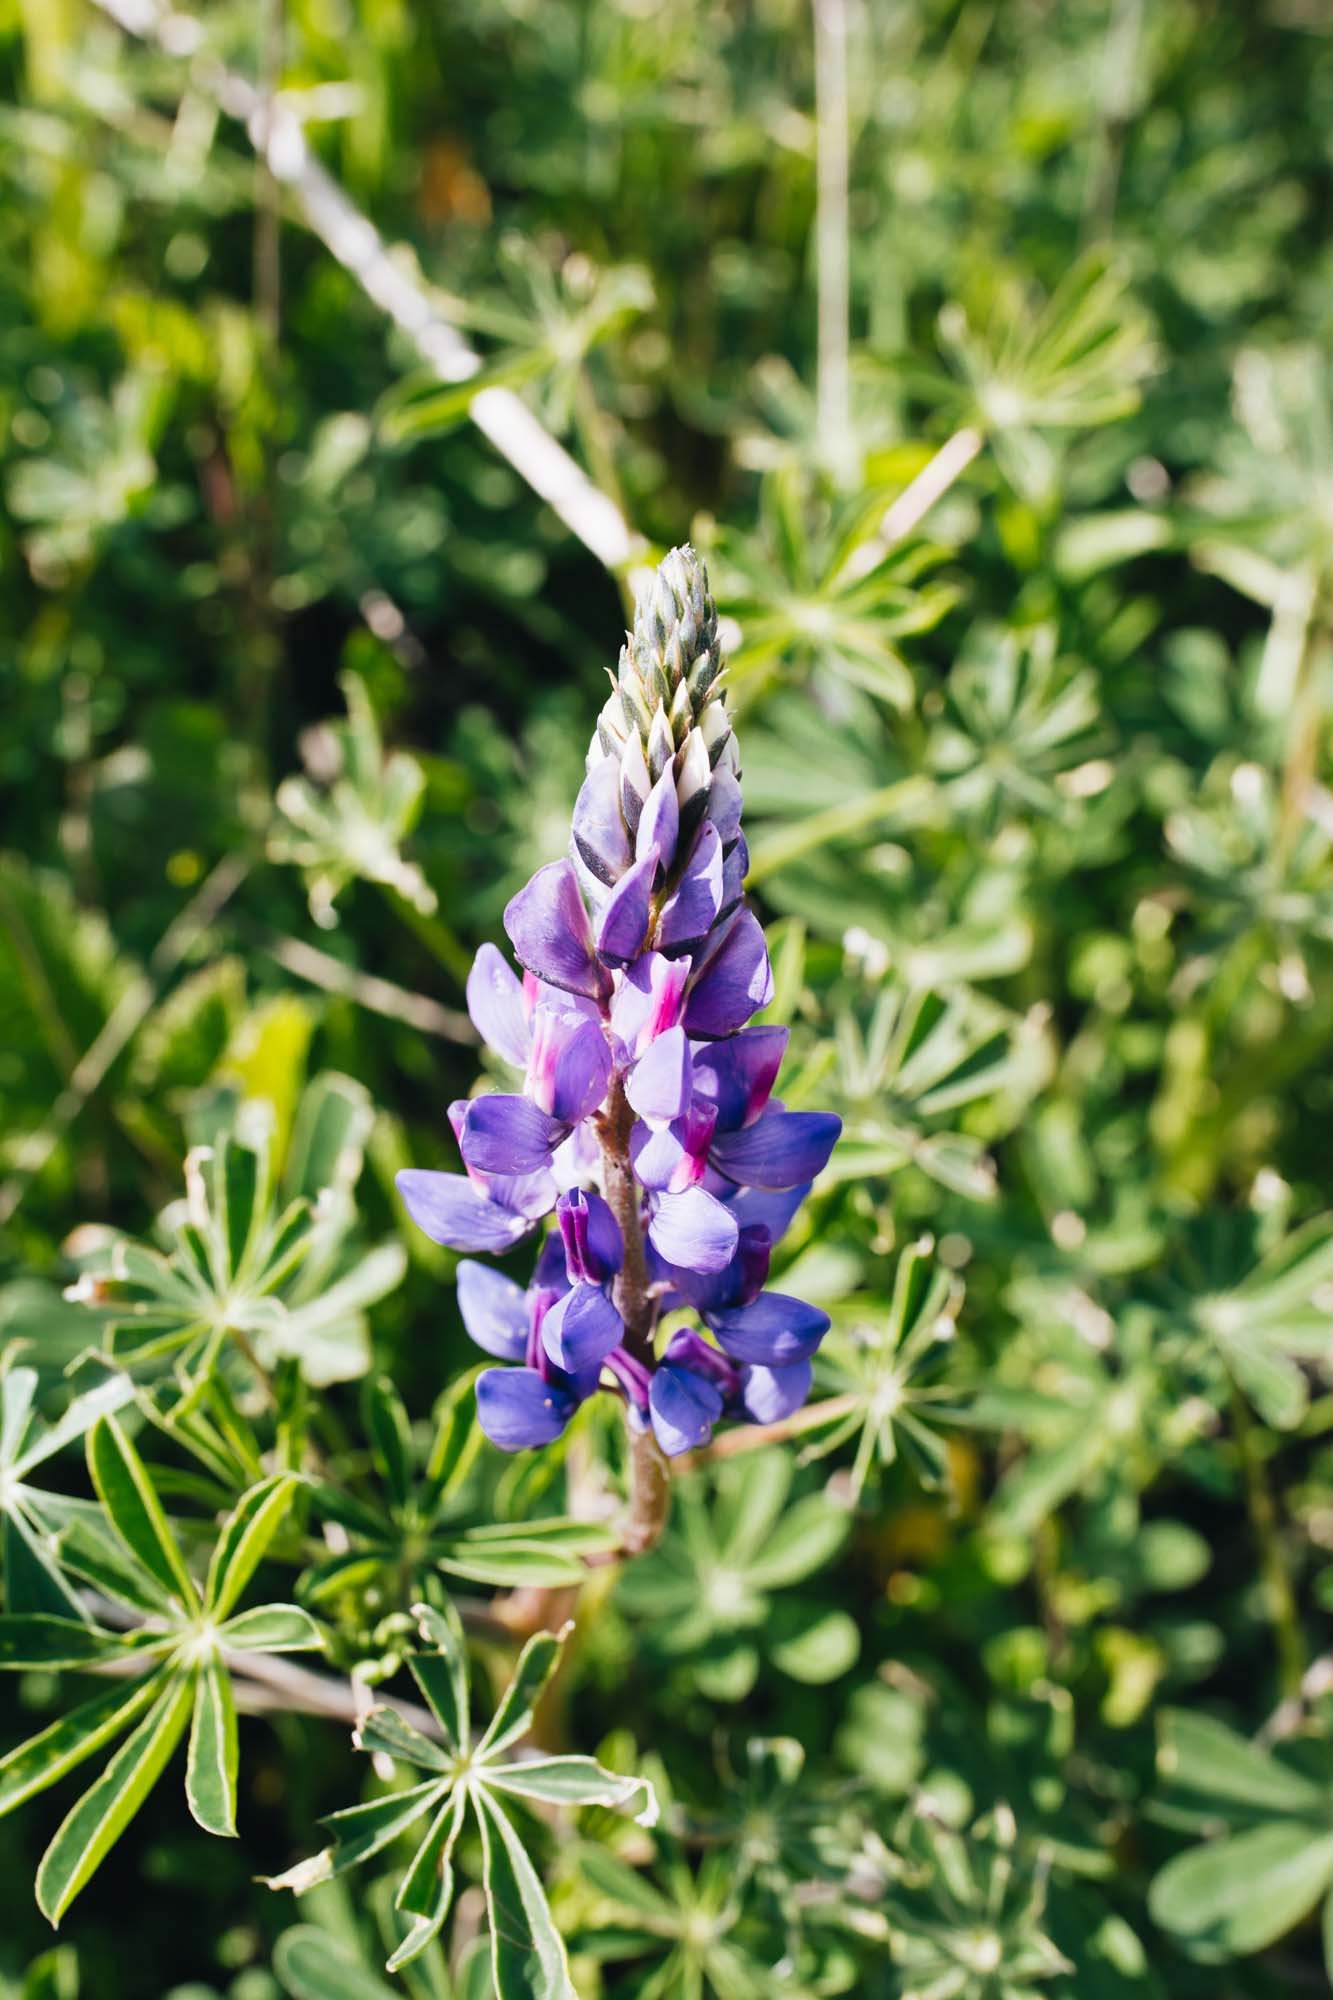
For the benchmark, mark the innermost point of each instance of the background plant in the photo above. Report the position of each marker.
(982, 354)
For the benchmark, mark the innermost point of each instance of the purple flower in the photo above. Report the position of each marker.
(643, 1111)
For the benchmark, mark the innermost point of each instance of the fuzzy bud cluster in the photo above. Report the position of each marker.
(645, 1119)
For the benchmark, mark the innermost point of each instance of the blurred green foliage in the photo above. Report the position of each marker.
(1030, 1621)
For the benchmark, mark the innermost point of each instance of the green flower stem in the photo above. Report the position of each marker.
(1279, 1597)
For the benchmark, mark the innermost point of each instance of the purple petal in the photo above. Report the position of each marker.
(734, 871)
(780, 1150)
(724, 804)
(633, 1377)
(662, 1084)
(659, 823)
(594, 1249)
(650, 998)
(494, 1309)
(659, 1158)
(517, 1409)
(452, 1210)
(674, 1156)
(742, 1280)
(693, 1229)
(689, 910)
(531, 1195)
(774, 1331)
(684, 1409)
(623, 925)
(504, 1134)
(763, 1208)
(581, 1329)
(738, 1074)
(548, 928)
(600, 834)
(495, 1002)
(569, 1065)
(734, 984)
(577, 1159)
(770, 1394)
(688, 1349)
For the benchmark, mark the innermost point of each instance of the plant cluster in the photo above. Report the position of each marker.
(885, 1546)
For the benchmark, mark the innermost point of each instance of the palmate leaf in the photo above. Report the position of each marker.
(703, 1594)
(1265, 1308)
(806, 605)
(907, 1063)
(528, 1956)
(133, 1554)
(261, 1260)
(880, 1374)
(414, 1527)
(349, 821)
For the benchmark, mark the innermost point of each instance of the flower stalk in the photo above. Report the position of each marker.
(643, 1121)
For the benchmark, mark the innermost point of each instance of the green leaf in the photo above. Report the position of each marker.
(45, 1758)
(92, 1827)
(806, 1537)
(442, 1675)
(311, 1965)
(359, 1832)
(511, 1563)
(33, 1581)
(527, 1953)
(428, 1887)
(1196, 1753)
(109, 1395)
(246, 1534)
(210, 1771)
(573, 1781)
(90, 1551)
(625, 1885)
(1241, 1893)
(513, 1717)
(390, 1437)
(125, 1491)
(36, 1640)
(819, 1648)
(384, 1732)
(272, 1628)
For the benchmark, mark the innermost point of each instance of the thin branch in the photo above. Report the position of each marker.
(753, 1437)
(121, 1024)
(378, 996)
(915, 501)
(391, 280)
(832, 259)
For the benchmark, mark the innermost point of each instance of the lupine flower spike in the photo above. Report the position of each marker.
(645, 1118)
